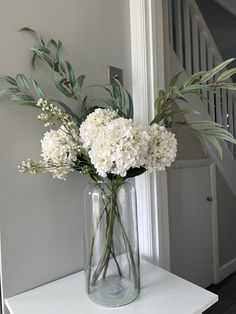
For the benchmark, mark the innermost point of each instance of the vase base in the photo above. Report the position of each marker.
(114, 292)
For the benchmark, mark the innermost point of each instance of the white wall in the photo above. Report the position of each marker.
(41, 218)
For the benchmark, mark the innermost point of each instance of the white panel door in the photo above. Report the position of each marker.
(191, 228)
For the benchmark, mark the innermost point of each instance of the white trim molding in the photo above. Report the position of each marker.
(227, 269)
(148, 77)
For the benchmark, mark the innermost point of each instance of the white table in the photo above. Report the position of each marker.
(162, 293)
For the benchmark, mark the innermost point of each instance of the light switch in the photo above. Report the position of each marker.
(114, 72)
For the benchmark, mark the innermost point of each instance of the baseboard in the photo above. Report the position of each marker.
(227, 269)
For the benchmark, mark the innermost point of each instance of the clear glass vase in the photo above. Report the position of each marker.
(112, 271)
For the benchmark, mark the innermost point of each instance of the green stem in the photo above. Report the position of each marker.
(91, 249)
(113, 216)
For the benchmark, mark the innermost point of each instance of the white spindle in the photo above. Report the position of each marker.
(179, 39)
(234, 115)
(230, 118)
(224, 108)
(170, 11)
(218, 107)
(187, 38)
(210, 62)
(195, 39)
(203, 62)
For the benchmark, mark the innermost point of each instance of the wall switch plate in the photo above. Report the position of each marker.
(114, 72)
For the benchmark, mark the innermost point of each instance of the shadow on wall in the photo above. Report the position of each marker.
(222, 25)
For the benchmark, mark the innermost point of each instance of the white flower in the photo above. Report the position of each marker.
(162, 148)
(59, 152)
(90, 127)
(120, 145)
(55, 117)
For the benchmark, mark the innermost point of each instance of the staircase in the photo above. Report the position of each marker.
(193, 49)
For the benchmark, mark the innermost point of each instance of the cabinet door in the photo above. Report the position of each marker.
(191, 224)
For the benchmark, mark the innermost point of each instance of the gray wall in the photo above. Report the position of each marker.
(42, 218)
(226, 220)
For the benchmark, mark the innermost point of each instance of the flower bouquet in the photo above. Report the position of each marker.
(103, 142)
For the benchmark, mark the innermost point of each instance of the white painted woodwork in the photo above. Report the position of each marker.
(170, 22)
(195, 35)
(178, 25)
(203, 64)
(224, 108)
(187, 37)
(161, 292)
(193, 215)
(210, 63)
(230, 119)
(218, 107)
(149, 27)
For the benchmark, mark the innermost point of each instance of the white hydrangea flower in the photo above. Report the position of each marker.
(162, 148)
(59, 152)
(95, 120)
(120, 145)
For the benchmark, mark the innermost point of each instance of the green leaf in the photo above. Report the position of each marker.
(42, 49)
(9, 91)
(34, 60)
(70, 74)
(44, 57)
(40, 93)
(21, 78)
(59, 85)
(194, 78)
(120, 95)
(215, 70)
(182, 112)
(130, 112)
(231, 86)
(51, 43)
(227, 74)
(28, 103)
(205, 123)
(60, 57)
(196, 88)
(217, 145)
(78, 85)
(8, 79)
(21, 97)
(133, 172)
(174, 79)
(27, 29)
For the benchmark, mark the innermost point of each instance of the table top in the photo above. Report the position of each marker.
(161, 292)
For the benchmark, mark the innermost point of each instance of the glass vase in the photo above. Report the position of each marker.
(112, 273)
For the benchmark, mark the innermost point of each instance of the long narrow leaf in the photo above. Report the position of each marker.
(71, 74)
(215, 70)
(40, 93)
(9, 91)
(21, 78)
(60, 57)
(59, 85)
(8, 79)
